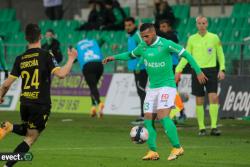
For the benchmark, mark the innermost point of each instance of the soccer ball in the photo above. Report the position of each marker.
(139, 134)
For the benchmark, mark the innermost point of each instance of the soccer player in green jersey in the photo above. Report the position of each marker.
(206, 49)
(155, 52)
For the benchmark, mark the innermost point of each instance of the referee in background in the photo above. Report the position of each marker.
(207, 51)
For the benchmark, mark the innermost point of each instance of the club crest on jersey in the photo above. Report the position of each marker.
(164, 97)
(209, 50)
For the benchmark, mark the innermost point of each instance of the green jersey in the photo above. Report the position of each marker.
(158, 61)
(206, 50)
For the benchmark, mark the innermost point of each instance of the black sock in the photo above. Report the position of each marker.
(21, 148)
(20, 129)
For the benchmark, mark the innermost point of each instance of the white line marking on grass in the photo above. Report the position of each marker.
(67, 120)
(104, 148)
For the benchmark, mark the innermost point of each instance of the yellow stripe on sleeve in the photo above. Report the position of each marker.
(13, 76)
(54, 69)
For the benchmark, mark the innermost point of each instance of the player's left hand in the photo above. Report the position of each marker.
(221, 75)
(202, 78)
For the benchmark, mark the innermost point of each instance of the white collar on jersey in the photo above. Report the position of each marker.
(157, 39)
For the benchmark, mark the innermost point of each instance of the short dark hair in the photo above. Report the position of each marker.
(129, 19)
(51, 30)
(32, 33)
(145, 26)
(91, 1)
(165, 21)
(109, 2)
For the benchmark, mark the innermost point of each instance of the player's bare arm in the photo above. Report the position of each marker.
(64, 71)
(5, 87)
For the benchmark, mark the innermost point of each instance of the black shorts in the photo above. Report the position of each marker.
(211, 85)
(93, 68)
(35, 116)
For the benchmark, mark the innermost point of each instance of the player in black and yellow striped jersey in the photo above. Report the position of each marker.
(35, 67)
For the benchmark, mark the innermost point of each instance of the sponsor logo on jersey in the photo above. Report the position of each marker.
(30, 95)
(154, 64)
(90, 55)
(164, 97)
(150, 54)
(86, 44)
(30, 56)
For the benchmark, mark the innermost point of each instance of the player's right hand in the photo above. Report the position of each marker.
(108, 59)
(72, 53)
(177, 77)
(202, 78)
(221, 75)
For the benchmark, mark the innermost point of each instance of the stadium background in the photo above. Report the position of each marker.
(230, 19)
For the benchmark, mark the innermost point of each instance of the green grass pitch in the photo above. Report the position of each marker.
(88, 142)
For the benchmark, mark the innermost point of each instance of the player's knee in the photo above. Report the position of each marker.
(199, 100)
(148, 116)
(213, 98)
(30, 140)
(162, 113)
(31, 137)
